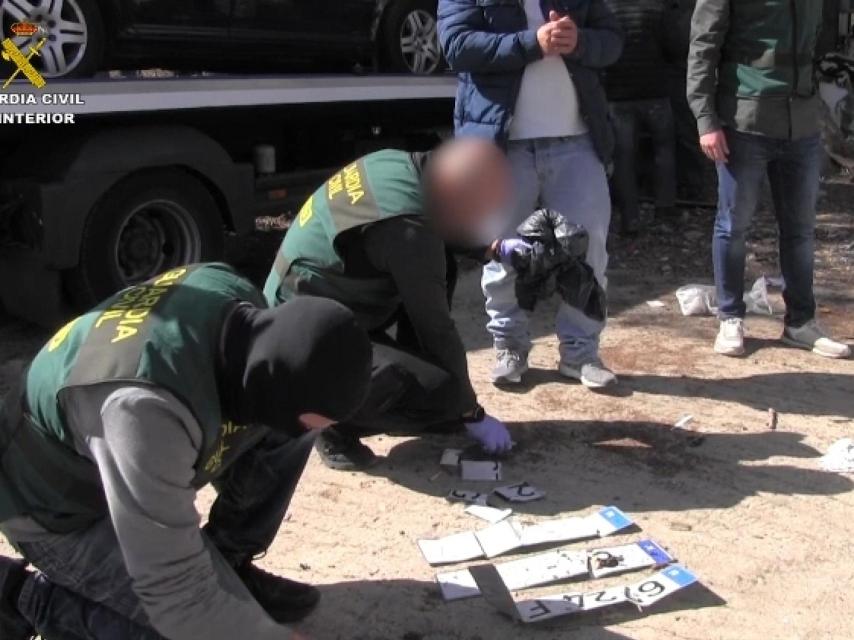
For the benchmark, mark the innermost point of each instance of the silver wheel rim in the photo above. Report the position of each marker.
(155, 237)
(419, 42)
(65, 27)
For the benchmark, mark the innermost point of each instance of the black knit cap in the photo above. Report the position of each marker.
(305, 356)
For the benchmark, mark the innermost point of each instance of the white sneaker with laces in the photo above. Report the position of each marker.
(510, 365)
(730, 340)
(813, 338)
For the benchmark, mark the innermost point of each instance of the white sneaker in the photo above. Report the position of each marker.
(730, 340)
(813, 338)
(510, 365)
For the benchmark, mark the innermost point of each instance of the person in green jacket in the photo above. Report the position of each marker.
(121, 418)
(751, 87)
(380, 237)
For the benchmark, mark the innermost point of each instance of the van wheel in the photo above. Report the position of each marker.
(410, 38)
(146, 224)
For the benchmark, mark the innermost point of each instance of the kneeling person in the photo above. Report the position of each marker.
(379, 237)
(124, 415)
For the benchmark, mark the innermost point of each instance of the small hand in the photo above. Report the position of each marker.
(506, 249)
(491, 434)
(715, 146)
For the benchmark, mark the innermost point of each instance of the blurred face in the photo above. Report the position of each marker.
(472, 200)
(312, 421)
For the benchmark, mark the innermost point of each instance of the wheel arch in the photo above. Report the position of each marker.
(102, 160)
(379, 16)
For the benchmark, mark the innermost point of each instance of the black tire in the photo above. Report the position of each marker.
(396, 23)
(81, 59)
(146, 224)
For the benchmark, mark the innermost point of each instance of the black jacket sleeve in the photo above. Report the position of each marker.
(414, 256)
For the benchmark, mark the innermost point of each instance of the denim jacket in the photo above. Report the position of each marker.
(488, 43)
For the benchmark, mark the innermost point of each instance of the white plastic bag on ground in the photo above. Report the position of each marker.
(697, 300)
(701, 299)
(757, 298)
(840, 457)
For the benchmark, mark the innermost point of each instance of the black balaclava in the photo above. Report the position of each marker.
(305, 356)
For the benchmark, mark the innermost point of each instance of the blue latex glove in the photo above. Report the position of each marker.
(491, 434)
(506, 249)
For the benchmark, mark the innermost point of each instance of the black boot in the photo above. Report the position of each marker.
(13, 626)
(285, 600)
(342, 451)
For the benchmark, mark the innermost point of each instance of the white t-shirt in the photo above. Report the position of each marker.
(547, 106)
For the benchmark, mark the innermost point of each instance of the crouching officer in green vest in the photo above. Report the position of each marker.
(380, 236)
(124, 415)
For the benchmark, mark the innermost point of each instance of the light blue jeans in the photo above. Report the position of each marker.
(564, 174)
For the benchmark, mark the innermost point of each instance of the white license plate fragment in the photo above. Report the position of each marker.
(564, 530)
(490, 514)
(450, 549)
(451, 458)
(605, 598)
(480, 470)
(643, 594)
(628, 557)
(662, 584)
(549, 607)
(543, 568)
(521, 492)
(499, 538)
(457, 585)
(610, 520)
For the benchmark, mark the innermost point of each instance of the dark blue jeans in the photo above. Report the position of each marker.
(82, 590)
(792, 168)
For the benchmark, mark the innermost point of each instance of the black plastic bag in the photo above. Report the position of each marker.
(555, 264)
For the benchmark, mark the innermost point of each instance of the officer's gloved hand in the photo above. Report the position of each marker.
(507, 250)
(491, 434)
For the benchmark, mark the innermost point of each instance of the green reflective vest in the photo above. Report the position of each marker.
(381, 185)
(164, 333)
(770, 47)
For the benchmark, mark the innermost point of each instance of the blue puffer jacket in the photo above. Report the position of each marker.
(488, 43)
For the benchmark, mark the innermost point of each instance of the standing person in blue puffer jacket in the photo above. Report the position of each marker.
(529, 79)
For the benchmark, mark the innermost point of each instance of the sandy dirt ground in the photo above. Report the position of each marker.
(746, 508)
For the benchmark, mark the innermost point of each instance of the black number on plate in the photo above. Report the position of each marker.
(651, 588)
(599, 596)
(538, 610)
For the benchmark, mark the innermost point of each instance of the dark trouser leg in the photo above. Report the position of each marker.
(254, 494)
(624, 179)
(658, 120)
(59, 614)
(794, 178)
(82, 590)
(691, 164)
(739, 184)
(407, 395)
(407, 392)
